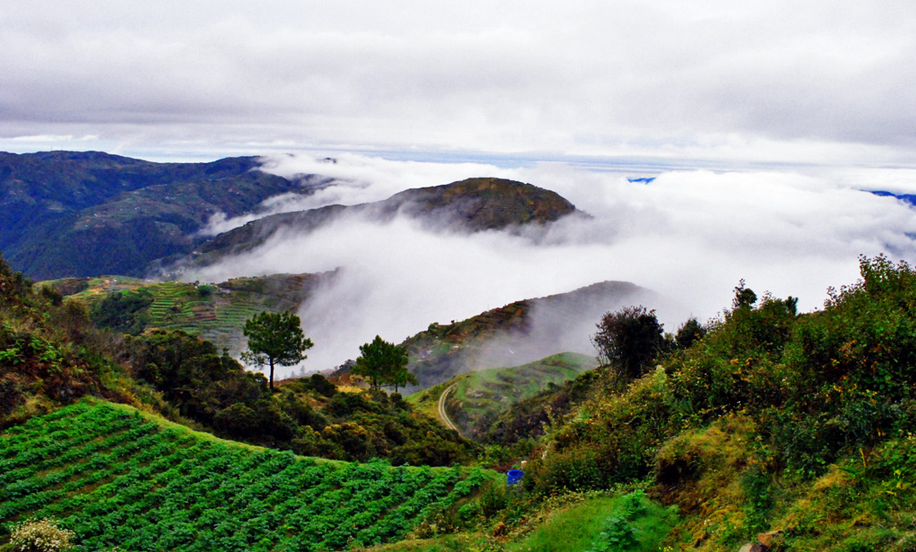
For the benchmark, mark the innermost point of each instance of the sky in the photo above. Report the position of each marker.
(702, 83)
(762, 122)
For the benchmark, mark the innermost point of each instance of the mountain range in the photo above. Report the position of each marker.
(86, 214)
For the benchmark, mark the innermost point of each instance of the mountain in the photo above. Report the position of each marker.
(518, 333)
(73, 214)
(471, 205)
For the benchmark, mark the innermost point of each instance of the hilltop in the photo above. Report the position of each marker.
(471, 205)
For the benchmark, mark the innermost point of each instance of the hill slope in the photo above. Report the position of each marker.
(91, 213)
(520, 332)
(119, 478)
(215, 313)
(478, 398)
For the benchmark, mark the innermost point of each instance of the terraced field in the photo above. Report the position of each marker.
(477, 398)
(215, 312)
(119, 478)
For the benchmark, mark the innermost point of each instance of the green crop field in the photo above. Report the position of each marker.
(119, 478)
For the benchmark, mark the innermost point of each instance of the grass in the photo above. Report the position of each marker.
(562, 526)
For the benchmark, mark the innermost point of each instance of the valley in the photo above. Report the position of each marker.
(127, 419)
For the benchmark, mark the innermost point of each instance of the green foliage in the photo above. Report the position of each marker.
(479, 398)
(628, 340)
(689, 333)
(384, 364)
(124, 312)
(116, 477)
(275, 338)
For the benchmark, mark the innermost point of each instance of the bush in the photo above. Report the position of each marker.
(41, 535)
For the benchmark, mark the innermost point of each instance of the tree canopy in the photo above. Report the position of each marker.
(275, 338)
(384, 364)
(628, 340)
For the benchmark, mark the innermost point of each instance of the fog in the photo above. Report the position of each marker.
(690, 236)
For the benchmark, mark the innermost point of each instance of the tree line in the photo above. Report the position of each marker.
(277, 339)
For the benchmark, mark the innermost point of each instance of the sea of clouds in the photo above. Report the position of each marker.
(689, 235)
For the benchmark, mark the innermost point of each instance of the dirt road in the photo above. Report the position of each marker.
(442, 414)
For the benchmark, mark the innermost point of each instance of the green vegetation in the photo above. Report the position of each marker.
(307, 416)
(766, 424)
(52, 354)
(384, 364)
(115, 477)
(91, 213)
(216, 313)
(275, 338)
(479, 398)
(628, 340)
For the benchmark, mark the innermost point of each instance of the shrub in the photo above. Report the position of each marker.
(41, 535)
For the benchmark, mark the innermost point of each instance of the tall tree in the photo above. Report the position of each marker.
(628, 340)
(384, 364)
(275, 338)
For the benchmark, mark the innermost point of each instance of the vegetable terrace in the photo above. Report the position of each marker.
(116, 478)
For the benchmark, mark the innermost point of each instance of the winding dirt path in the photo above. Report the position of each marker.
(442, 414)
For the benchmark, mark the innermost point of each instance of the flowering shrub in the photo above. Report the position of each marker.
(40, 535)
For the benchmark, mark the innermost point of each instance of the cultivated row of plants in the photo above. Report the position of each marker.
(115, 478)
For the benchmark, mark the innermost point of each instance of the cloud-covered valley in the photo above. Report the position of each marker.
(688, 235)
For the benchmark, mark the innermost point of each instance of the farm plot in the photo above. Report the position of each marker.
(120, 479)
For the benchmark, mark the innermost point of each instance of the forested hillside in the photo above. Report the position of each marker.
(51, 354)
(792, 430)
(84, 214)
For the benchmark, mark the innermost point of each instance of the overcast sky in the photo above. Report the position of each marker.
(761, 119)
(705, 81)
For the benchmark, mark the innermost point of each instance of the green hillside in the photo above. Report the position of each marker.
(120, 478)
(81, 214)
(477, 399)
(214, 312)
(520, 332)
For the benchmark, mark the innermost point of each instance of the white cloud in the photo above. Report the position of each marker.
(689, 235)
(587, 77)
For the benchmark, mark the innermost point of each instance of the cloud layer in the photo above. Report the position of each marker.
(771, 81)
(689, 235)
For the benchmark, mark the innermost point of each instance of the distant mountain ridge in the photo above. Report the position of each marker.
(470, 205)
(81, 214)
(85, 214)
